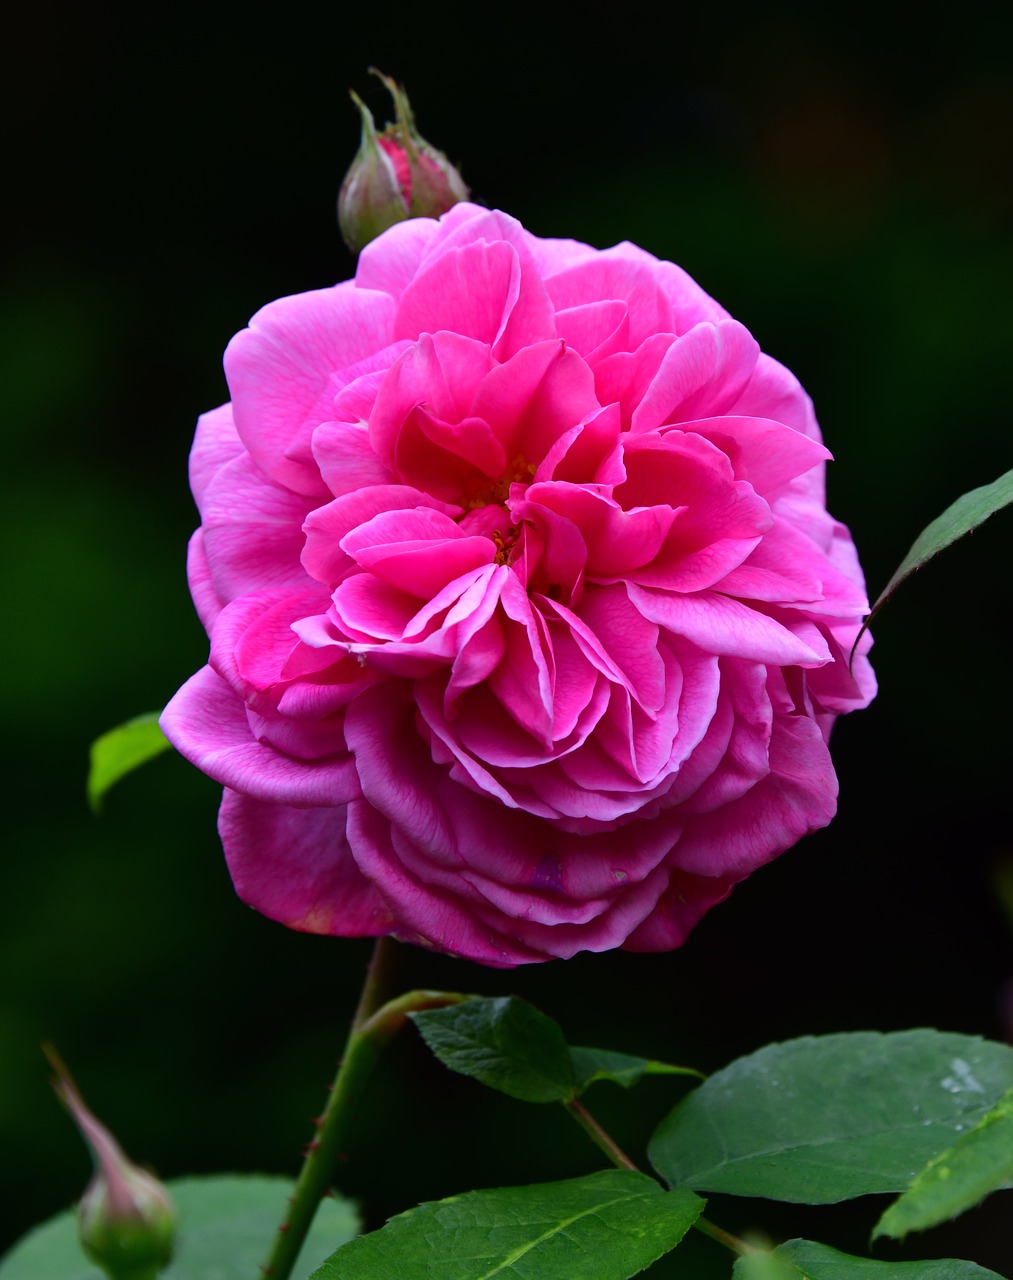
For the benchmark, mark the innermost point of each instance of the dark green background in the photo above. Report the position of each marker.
(841, 181)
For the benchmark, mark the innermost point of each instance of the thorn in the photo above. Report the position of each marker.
(316, 1121)
(283, 1228)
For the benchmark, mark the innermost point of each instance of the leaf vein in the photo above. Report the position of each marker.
(555, 1229)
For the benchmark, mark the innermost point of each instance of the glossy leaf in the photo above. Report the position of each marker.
(828, 1118)
(804, 1260)
(977, 1164)
(505, 1043)
(122, 750)
(608, 1226)
(968, 512)
(591, 1065)
(226, 1225)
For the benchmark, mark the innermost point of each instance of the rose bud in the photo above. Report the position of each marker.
(370, 198)
(395, 175)
(126, 1221)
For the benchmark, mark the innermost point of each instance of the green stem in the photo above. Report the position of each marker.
(621, 1160)
(724, 1237)
(598, 1135)
(380, 975)
(372, 1027)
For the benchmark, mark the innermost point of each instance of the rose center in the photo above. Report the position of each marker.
(483, 492)
(505, 543)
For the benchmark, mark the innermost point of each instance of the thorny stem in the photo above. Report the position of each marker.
(372, 1027)
(621, 1160)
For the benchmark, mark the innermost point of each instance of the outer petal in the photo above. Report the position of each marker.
(206, 599)
(206, 722)
(252, 531)
(774, 392)
(285, 369)
(295, 866)
(686, 900)
(215, 443)
(798, 796)
(390, 262)
(689, 303)
(424, 914)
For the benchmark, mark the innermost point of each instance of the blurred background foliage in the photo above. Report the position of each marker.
(841, 180)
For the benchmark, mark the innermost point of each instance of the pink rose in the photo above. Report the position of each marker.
(528, 621)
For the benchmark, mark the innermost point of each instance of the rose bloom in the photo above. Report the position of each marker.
(528, 621)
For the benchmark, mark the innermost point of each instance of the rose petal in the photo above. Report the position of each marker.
(295, 866)
(702, 373)
(718, 624)
(327, 526)
(284, 369)
(798, 796)
(252, 531)
(215, 443)
(206, 722)
(475, 291)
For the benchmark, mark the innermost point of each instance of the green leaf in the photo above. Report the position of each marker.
(827, 1118)
(122, 750)
(590, 1065)
(504, 1042)
(977, 1164)
(226, 1225)
(604, 1227)
(764, 1266)
(970, 510)
(804, 1260)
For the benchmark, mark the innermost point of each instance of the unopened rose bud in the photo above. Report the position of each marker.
(395, 175)
(126, 1220)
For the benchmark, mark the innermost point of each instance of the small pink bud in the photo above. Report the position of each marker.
(395, 175)
(126, 1220)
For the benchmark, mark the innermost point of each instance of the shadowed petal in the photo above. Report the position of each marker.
(295, 866)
